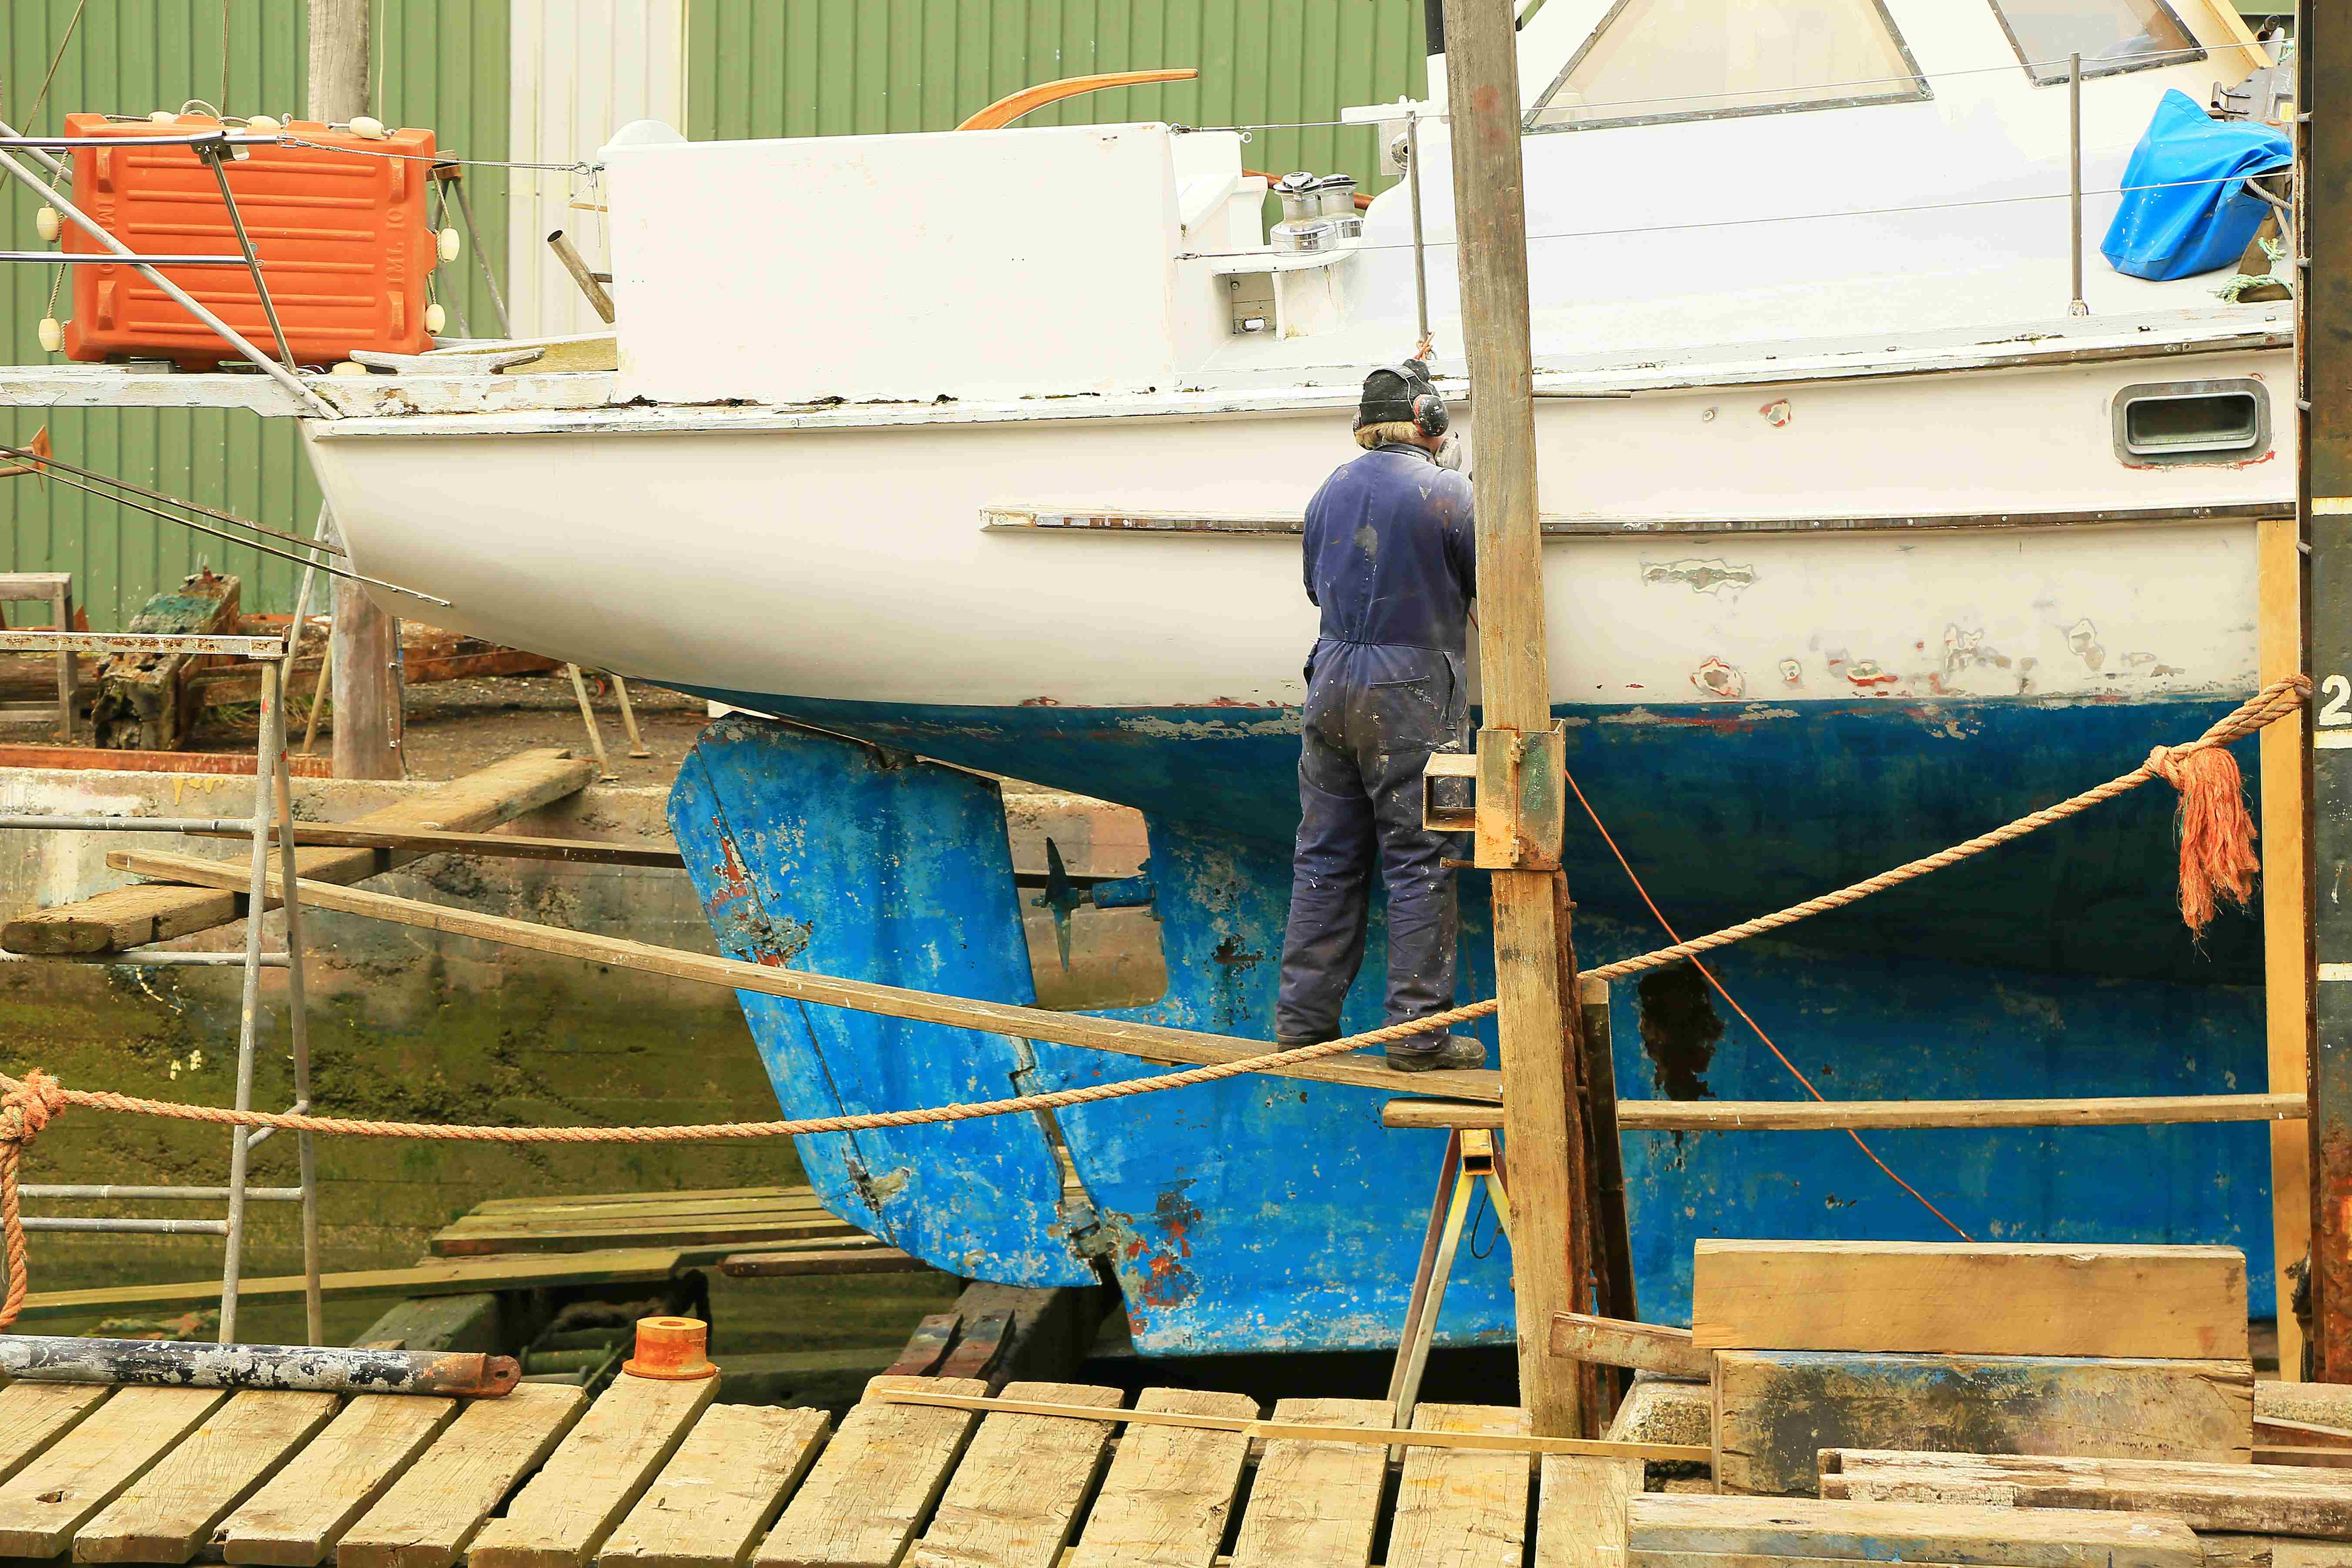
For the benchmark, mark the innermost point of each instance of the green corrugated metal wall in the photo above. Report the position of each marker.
(825, 67)
(440, 63)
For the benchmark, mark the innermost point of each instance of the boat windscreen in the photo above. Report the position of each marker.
(2111, 35)
(1652, 60)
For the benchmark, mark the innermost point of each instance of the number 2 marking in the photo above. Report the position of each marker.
(2338, 692)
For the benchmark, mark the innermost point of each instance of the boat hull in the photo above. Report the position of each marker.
(1278, 1215)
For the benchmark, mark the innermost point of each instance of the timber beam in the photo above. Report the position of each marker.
(134, 917)
(1153, 1042)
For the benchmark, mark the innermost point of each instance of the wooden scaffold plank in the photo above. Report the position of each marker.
(299, 1517)
(1315, 1504)
(1462, 1508)
(1758, 1532)
(1171, 1490)
(1015, 1499)
(1970, 1299)
(721, 1490)
(595, 1476)
(875, 1483)
(1581, 1510)
(2265, 1500)
(42, 1504)
(35, 1415)
(438, 1503)
(171, 1511)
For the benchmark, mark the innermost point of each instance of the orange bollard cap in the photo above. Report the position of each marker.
(673, 1348)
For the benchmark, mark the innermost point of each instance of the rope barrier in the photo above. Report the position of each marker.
(28, 1105)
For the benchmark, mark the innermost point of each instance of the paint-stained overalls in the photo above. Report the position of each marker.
(1390, 559)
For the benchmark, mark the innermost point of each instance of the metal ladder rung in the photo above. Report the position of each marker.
(110, 1193)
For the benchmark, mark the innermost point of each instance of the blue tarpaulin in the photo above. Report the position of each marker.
(2186, 208)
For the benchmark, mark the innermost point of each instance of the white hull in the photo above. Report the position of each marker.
(840, 557)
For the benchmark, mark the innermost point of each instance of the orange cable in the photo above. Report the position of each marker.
(1744, 1017)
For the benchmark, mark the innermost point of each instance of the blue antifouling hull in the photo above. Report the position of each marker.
(1273, 1213)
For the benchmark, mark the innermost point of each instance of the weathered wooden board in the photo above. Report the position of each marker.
(438, 1503)
(1615, 1341)
(1807, 1528)
(167, 1514)
(875, 1483)
(2227, 1550)
(1015, 1497)
(45, 1502)
(1169, 1491)
(297, 1518)
(35, 1415)
(1581, 1510)
(1315, 1504)
(1970, 1299)
(1775, 1410)
(1462, 1508)
(2315, 1403)
(721, 1490)
(593, 1478)
(2266, 1499)
(130, 917)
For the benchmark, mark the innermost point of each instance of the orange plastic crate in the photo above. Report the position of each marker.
(341, 235)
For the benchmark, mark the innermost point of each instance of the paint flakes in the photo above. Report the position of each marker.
(1717, 679)
(1712, 576)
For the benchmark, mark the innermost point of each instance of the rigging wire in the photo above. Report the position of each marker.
(32, 115)
(250, 544)
(1794, 1071)
(36, 458)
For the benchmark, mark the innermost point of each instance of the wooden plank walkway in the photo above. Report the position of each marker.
(728, 1217)
(654, 1475)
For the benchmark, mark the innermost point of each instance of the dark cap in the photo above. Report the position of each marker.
(1388, 392)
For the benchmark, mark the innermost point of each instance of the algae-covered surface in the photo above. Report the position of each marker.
(498, 1038)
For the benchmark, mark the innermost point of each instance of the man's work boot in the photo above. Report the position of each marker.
(1454, 1051)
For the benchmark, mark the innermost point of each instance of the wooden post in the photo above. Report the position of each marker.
(1539, 1025)
(2323, 340)
(366, 641)
(2287, 926)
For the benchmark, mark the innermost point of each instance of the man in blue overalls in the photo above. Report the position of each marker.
(1390, 560)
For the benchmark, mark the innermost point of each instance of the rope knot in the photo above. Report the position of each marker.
(2165, 763)
(26, 1110)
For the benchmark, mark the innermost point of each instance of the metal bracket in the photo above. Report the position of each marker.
(1515, 818)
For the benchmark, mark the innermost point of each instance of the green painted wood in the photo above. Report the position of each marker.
(442, 63)
(755, 68)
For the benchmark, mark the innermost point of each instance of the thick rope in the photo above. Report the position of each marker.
(27, 1104)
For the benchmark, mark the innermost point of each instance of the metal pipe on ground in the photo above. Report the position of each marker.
(41, 1358)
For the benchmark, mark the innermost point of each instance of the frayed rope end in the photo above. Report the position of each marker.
(2216, 830)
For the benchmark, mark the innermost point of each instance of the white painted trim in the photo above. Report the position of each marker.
(2335, 972)
(2332, 740)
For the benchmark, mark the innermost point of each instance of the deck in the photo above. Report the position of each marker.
(653, 1474)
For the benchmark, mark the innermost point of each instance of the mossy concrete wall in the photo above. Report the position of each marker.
(405, 1024)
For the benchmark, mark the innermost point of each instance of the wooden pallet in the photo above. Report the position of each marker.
(725, 1218)
(654, 1475)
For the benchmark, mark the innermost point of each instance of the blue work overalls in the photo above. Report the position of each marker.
(1390, 559)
